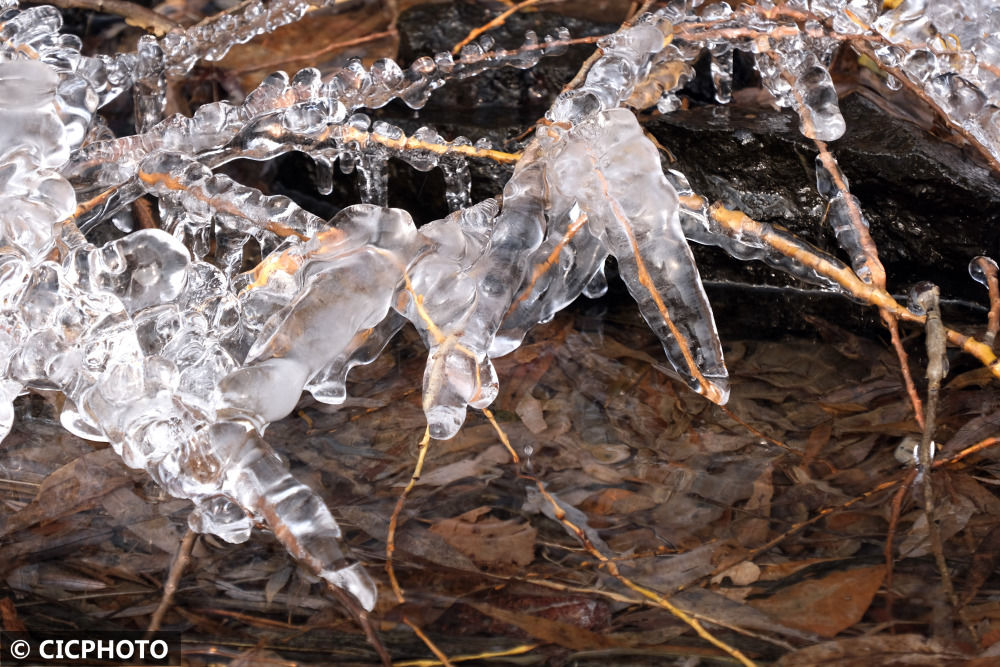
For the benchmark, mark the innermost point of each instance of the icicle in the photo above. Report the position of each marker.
(646, 237)
(457, 181)
(150, 93)
(722, 71)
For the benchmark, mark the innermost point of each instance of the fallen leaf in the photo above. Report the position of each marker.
(9, 618)
(616, 502)
(556, 632)
(480, 466)
(778, 571)
(489, 541)
(825, 606)
(76, 486)
(530, 412)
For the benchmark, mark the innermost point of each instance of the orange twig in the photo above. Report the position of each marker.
(612, 567)
(892, 323)
(390, 542)
(413, 144)
(495, 23)
(989, 269)
(133, 13)
(813, 258)
(438, 653)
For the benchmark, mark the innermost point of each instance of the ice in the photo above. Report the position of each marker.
(181, 375)
(743, 238)
(981, 268)
(645, 236)
(819, 111)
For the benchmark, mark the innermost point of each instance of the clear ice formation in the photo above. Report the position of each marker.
(163, 348)
(949, 51)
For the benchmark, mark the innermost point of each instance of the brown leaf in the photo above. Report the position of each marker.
(74, 487)
(825, 606)
(410, 538)
(275, 583)
(983, 563)
(490, 541)
(485, 463)
(530, 412)
(778, 571)
(556, 632)
(9, 618)
(616, 502)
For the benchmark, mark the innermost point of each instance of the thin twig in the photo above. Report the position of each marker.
(180, 561)
(312, 56)
(936, 370)
(503, 653)
(651, 595)
(495, 23)
(438, 653)
(390, 542)
(612, 567)
(737, 222)
(581, 74)
(892, 324)
(362, 618)
(905, 479)
(989, 269)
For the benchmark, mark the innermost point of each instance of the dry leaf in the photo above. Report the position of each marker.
(825, 606)
(489, 541)
(74, 487)
(556, 632)
(8, 616)
(616, 502)
(530, 412)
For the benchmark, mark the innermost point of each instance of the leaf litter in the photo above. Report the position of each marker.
(688, 499)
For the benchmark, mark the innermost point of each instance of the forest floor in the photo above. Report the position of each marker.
(769, 520)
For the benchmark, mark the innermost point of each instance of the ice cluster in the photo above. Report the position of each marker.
(163, 345)
(950, 51)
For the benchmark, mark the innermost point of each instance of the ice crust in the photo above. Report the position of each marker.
(181, 363)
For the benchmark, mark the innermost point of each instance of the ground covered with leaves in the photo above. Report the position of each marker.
(768, 521)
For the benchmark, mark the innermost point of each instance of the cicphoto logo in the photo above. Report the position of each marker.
(93, 648)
